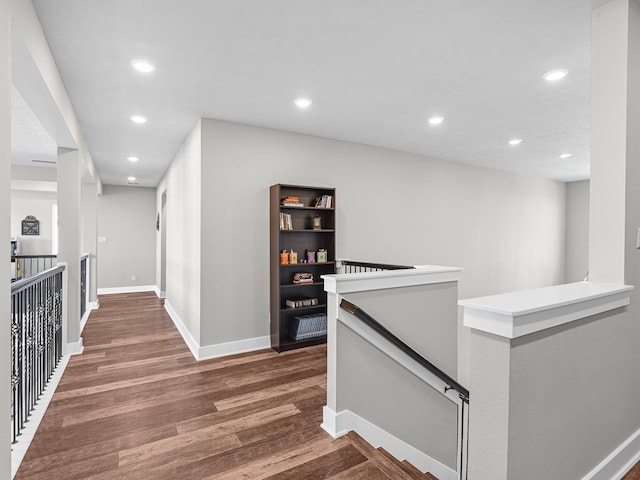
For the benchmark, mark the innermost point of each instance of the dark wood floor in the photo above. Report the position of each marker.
(135, 405)
(634, 473)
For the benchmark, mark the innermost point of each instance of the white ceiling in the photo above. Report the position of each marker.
(31, 144)
(375, 69)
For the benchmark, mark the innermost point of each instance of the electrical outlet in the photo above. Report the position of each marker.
(133, 277)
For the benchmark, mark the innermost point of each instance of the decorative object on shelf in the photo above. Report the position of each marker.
(284, 257)
(293, 257)
(322, 255)
(317, 223)
(301, 302)
(311, 256)
(30, 225)
(302, 277)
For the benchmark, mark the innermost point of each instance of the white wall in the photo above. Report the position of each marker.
(40, 205)
(126, 219)
(507, 231)
(5, 221)
(182, 184)
(577, 242)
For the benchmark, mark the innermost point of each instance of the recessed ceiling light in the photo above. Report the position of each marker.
(143, 66)
(555, 75)
(515, 141)
(138, 119)
(303, 102)
(437, 120)
(565, 155)
(131, 179)
(133, 159)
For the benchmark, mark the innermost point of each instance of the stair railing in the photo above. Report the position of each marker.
(428, 372)
(353, 266)
(36, 340)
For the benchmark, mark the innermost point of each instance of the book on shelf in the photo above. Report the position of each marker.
(285, 221)
(304, 327)
(292, 201)
(302, 277)
(301, 302)
(324, 201)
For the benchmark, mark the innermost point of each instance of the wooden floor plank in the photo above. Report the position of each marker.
(136, 405)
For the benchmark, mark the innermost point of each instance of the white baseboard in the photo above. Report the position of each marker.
(131, 289)
(83, 320)
(73, 348)
(619, 462)
(159, 293)
(186, 335)
(94, 305)
(231, 348)
(218, 350)
(19, 449)
(338, 424)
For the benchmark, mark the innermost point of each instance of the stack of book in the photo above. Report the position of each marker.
(325, 201)
(285, 221)
(292, 201)
(302, 302)
(308, 326)
(302, 277)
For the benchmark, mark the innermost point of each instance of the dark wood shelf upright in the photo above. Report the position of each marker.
(300, 238)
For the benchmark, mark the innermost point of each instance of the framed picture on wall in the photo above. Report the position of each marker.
(30, 225)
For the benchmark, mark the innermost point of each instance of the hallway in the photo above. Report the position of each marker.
(136, 405)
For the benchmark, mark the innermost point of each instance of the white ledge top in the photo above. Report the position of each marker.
(365, 281)
(512, 315)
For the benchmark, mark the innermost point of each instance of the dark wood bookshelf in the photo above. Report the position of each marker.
(300, 238)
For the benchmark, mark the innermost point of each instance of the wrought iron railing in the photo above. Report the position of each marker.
(36, 340)
(27, 266)
(84, 282)
(352, 266)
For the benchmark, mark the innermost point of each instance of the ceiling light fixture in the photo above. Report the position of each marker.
(303, 102)
(143, 66)
(515, 141)
(133, 159)
(565, 155)
(555, 75)
(437, 120)
(138, 119)
(131, 179)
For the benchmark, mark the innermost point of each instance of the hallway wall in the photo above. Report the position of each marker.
(506, 230)
(126, 220)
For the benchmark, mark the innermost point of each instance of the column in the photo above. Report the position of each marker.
(615, 107)
(69, 239)
(5, 230)
(89, 236)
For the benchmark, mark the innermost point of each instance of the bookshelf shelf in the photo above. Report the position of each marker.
(303, 265)
(309, 230)
(322, 306)
(299, 285)
(292, 229)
